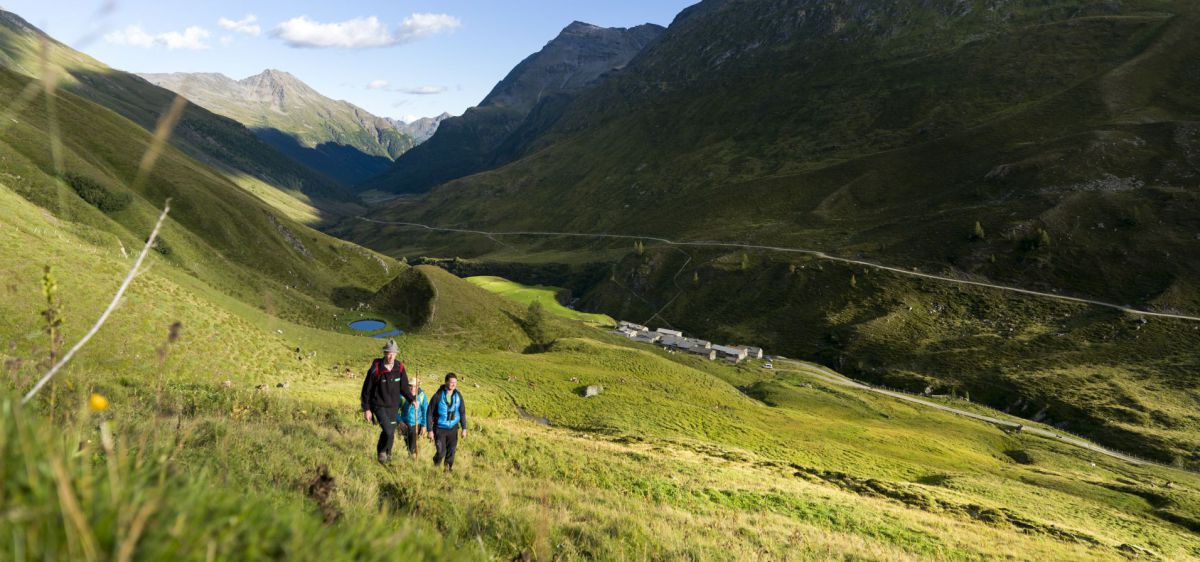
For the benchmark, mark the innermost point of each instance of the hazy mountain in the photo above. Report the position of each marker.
(538, 86)
(213, 139)
(1067, 130)
(334, 137)
(420, 129)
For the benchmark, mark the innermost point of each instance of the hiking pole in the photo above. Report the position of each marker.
(416, 437)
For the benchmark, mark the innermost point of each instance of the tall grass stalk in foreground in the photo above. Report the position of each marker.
(162, 133)
(133, 271)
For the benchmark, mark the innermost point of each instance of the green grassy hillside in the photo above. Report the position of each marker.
(677, 459)
(216, 232)
(222, 143)
(1065, 130)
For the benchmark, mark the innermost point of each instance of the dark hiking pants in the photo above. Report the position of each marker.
(447, 444)
(410, 436)
(386, 418)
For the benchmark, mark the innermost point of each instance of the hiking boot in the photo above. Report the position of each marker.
(384, 458)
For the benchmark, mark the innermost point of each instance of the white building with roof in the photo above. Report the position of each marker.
(751, 351)
(737, 354)
(632, 326)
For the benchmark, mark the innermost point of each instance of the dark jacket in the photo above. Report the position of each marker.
(383, 388)
(440, 414)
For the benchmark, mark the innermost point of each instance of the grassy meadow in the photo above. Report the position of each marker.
(676, 459)
(547, 296)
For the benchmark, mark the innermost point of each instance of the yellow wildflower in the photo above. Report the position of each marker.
(97, 403)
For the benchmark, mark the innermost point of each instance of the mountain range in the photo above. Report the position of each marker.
(528, 99)
(334, 137)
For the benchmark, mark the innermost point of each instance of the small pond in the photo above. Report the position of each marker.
(367, 325)
(388, 334)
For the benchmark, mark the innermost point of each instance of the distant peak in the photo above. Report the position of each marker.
(273, 73)
(580, 26)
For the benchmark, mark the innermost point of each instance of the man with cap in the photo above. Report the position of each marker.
(386, 384)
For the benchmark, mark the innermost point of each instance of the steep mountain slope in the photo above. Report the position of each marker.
(531, 94)
(217, 233)
(1067, 131)
(334, 137)
(218, 141)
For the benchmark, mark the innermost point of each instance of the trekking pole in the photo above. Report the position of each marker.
(416, 438)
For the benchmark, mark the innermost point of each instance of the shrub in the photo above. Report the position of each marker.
(536, 328)
(97, 195)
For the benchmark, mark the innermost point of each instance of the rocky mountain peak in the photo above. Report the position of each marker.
(277, 88)
(579, 54)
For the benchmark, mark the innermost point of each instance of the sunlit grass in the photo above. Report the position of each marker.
(547, 296)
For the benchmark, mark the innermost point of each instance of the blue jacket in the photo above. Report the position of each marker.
(414, 413)
(446, 416)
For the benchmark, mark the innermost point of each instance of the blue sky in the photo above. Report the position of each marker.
(396, 58)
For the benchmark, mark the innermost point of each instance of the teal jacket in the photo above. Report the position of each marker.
(414, 413)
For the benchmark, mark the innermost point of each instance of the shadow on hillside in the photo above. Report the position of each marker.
(350, 297)
(343, 163)
(208, 137)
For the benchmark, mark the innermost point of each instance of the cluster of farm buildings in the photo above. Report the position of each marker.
(675, 340)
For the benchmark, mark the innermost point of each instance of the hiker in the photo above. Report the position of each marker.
(385, 385)
(447, 417)
(412, 417)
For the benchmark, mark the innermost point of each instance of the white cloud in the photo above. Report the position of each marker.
(193, 38)
(377, 85)
(418, 26)
(360, 33)
(132, 36)
(423, 90)
(245, 25)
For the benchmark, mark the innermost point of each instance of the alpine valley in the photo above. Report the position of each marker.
(964, 235)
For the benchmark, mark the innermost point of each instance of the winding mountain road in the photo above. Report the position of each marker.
(814, 253)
